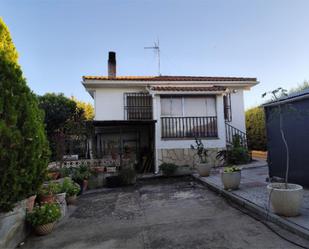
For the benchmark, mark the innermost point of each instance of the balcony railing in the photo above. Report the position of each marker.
(137, 106)
(189, 127)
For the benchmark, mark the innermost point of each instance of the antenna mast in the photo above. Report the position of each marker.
(156, 48)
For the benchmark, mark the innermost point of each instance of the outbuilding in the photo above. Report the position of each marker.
(295, 123)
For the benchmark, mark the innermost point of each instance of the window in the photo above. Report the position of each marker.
(227, 107)
(188, 116)
(188, 106)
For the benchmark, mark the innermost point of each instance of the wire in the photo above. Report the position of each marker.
(265, 223)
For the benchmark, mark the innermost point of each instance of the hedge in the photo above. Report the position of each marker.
(255, 125)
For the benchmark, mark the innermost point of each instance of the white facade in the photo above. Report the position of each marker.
(108, 97)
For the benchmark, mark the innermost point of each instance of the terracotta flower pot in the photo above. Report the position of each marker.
(85, 185)
(71, 200)
(30, 203)
(44, 229)
(47, 198)
(54, 175)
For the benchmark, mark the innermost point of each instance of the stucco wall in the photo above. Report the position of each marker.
(184, 144)
(238, 110)
(187, 156)
(108, 102)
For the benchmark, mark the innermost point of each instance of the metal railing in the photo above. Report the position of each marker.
(137, 106)
(189, 127)
(232, 132)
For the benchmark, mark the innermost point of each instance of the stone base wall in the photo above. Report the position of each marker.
(188, 156)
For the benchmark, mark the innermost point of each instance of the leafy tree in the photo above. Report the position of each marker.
(23, 145)
(301, 87)
(64, 118)
(7, 47)
(255, 126)
(88, 110)
(58, 110)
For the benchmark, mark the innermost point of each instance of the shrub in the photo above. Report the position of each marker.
(231, 169)
(235, 154)
(70, 187)
(24, 149)
(44, 214)
(255, 125)
(168, 169)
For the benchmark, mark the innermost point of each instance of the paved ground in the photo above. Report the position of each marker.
(158, 213)
(253, 188)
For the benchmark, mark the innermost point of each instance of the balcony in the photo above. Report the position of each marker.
(189, 127)
(137, 106)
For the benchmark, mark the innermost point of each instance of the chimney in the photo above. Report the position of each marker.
(111, 64)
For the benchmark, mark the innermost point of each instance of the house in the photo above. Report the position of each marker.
(156, 118)
(295, 119)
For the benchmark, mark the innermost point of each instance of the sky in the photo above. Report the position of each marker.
(59, 41)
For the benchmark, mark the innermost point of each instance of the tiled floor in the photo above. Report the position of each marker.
(253, 189)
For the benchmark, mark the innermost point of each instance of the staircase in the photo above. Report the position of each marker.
(231, 132)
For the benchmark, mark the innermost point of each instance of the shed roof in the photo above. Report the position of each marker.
(290, 98)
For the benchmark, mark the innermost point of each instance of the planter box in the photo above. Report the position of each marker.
(13, 226)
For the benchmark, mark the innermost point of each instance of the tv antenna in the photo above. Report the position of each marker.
(156, 49)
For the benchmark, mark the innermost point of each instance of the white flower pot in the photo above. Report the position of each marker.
(203, 169)
(62, 202)
(231, 180)
(285, 201)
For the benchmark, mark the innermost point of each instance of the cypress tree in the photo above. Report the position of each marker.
(24, 148)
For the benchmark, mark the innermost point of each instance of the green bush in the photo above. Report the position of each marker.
(168, 169)
(70, 187)
(24, 148)
(256, 132)
(235, 154)
(44, 214)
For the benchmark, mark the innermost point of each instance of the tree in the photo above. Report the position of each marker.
(65, 122)
(7, 47)
(24, 149)
(255, 126)
(88, 110)
(58, 110)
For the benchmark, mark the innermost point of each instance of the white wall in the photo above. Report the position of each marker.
(238, 110)
(109, 102)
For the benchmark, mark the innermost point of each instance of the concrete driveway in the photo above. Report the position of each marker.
(158, 213)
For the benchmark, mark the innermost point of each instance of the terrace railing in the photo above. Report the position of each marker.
(189, 127)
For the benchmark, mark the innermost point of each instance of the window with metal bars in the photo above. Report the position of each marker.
(137, 106)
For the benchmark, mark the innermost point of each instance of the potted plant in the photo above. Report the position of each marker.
(60, 195)
(30, 202)
(235, 154)
(81, 175)
(168, 169)
(286, 198)
(47, 192)
(230, 177)
(43, 218)
(127, 174)
(72, 189)
(203, 167)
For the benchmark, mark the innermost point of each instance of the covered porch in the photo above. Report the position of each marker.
(124, 141)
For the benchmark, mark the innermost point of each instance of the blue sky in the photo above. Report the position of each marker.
(60, 40)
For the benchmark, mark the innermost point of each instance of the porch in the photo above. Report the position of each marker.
(124, 141)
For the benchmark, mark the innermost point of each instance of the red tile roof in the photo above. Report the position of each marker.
(188, 88)
(168, 78)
